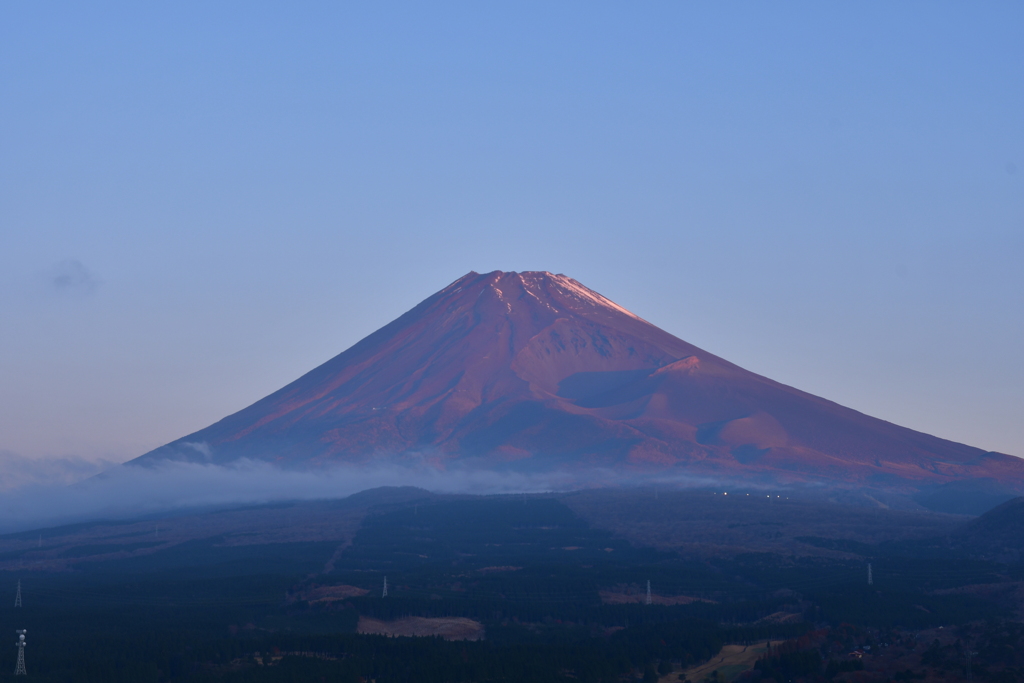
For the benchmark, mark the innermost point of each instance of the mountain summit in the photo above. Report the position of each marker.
(534, 371)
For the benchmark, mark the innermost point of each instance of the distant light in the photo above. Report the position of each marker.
(726, 493)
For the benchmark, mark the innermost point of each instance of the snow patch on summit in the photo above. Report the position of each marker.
(590, 296)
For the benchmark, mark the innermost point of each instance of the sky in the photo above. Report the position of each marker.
(199, 202)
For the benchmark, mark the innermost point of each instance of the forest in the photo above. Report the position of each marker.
(556, 600)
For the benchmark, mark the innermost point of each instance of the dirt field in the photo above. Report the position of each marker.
(328, 593)
(622, 597)
(449, 628)
(730, 662)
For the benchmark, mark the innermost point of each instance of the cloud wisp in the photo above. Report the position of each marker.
(18, 471)
(37, 493)
(71, 277)
(125, 492)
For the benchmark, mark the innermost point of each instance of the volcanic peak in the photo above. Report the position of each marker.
(535, 371)
(542, 287)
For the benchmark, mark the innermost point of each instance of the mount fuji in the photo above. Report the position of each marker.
(535, 372)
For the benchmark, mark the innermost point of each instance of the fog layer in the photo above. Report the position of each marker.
(127, 491)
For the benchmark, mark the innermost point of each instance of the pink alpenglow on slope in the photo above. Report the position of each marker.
(535, 372)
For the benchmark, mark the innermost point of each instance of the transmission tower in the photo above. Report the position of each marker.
(871, 579)
(385, 594)
(17, 597)
(648, 600)
(19, 670)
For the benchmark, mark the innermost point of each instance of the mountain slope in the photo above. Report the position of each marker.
(996, 535)
(534, 371)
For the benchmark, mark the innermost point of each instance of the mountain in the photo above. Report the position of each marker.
(996, 535)
(535, 372)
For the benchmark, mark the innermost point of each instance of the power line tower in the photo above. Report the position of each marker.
(385, 594)
(871, 579)
(17, 597)
(648, 600)
(19, 670)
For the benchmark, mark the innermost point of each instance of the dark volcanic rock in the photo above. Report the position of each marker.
(533, 371)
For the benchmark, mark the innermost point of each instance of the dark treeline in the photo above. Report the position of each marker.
(528, 570)
(184, 656)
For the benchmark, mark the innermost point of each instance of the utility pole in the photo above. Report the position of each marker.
(648, 601)
(969, 674)
(871, 580)
(17, 597)
(19, 670)
(385, 594)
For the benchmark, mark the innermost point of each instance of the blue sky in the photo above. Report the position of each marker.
(201, 201)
